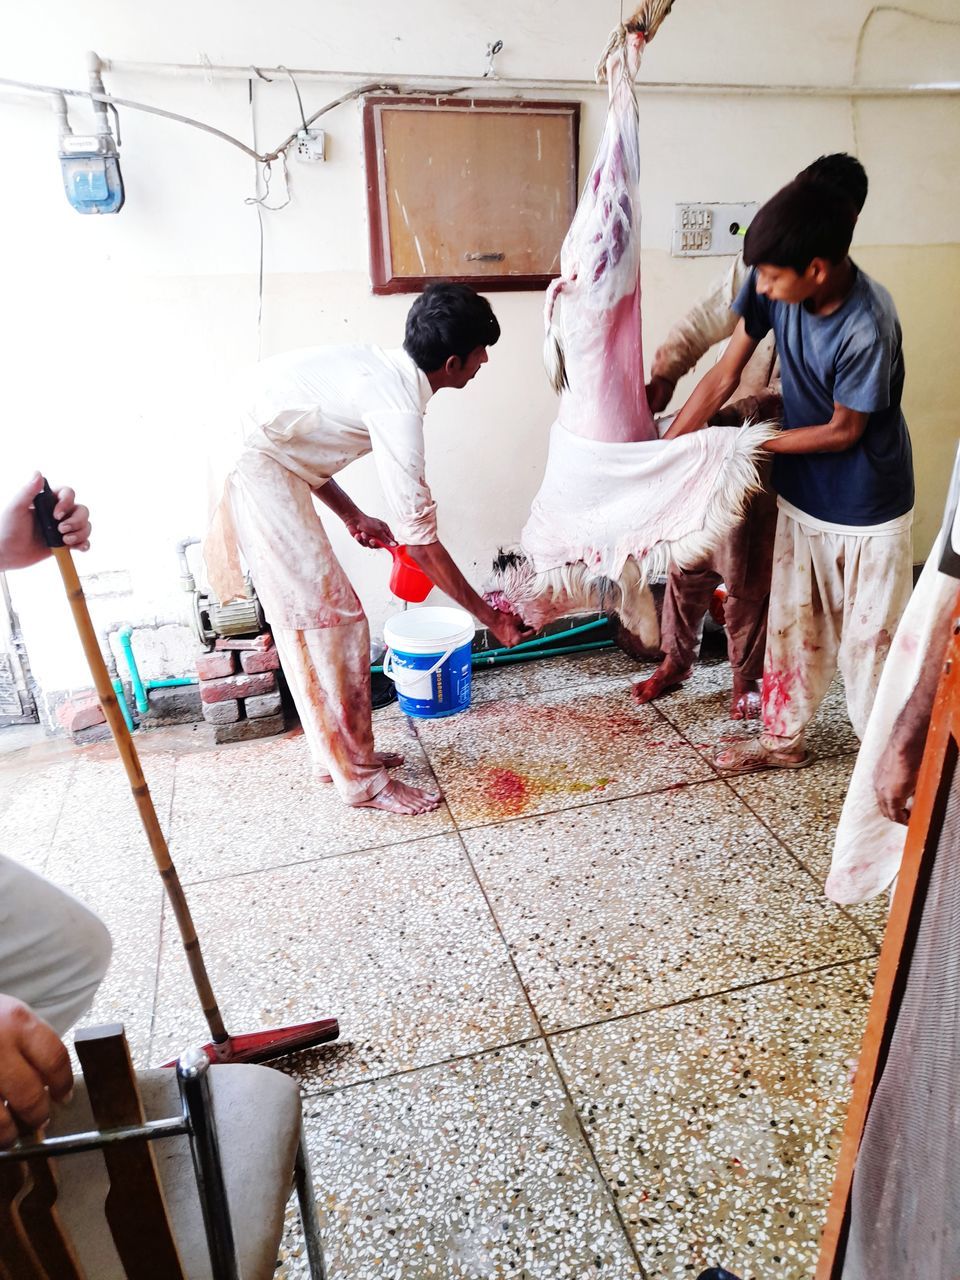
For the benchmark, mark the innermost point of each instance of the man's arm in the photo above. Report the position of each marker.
(707, 322)
(366, 530)
(439, 566)
(842, 432)
(432, 557)
(716, 387)
(21, 543)
(897, 770)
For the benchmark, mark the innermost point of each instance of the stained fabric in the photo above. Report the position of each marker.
(661, 502)
(318, 622)
(869, 847)
(315, 411)
(743, 562)
(835, 602)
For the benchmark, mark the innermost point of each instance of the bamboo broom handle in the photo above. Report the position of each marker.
(44, 504)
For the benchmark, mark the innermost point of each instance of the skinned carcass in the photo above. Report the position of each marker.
(617, 505)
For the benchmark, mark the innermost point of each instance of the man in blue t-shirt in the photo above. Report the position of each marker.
(842, 469)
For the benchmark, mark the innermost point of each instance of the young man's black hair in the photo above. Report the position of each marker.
(842, 171)
(448, 320)
(803, 221)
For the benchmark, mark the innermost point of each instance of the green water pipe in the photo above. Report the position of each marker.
(141, 687)
(488, 660)
(122, 701)
(540, 642)
(125, 636)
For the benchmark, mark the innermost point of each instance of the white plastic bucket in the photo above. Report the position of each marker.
(428, 659)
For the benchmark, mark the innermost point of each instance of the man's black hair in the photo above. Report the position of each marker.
(803, 221)
(448, 320)
(842, 171)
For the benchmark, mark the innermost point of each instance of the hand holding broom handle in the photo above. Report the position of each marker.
(44, 505)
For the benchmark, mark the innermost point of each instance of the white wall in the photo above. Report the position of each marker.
(114, 330)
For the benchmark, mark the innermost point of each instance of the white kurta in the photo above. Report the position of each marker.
(307, 415)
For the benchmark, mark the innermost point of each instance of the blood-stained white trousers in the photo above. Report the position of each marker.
(318, 623)
(835, 601)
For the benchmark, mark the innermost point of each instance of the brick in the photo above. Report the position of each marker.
(242, 686)
(254, 661)
(213, 666)
(267, 704)
(177, 705)
(79, 713)
(93, 733)
(259, 643)
(224, 712)
(245, 730)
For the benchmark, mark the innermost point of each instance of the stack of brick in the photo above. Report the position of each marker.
(241, 703)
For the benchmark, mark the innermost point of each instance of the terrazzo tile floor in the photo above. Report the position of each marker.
(597, 1018)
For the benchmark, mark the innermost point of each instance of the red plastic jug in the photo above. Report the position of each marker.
(407, 580)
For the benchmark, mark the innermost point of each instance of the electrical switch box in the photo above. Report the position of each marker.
(708, 230)
(311, 145)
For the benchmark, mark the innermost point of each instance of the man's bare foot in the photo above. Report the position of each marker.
(667, 677)
(397, 797)
(745, 703)
(389, 760)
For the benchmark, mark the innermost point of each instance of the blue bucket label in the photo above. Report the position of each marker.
(442, 692)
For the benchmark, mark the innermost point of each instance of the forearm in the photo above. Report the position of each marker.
(825, 438)
(909, 732)
(437, 563)
(337, 501)
(710, 393)
(709, 321)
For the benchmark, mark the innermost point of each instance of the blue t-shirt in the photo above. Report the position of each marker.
(853, 357)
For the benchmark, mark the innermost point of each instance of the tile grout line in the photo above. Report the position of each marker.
(803, 866)
(548, 1049)
(401, 1073)
(728, 779)
(709, 995)
(60, 810)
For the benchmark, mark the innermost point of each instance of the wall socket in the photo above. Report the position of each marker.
(710, 230)
(311, 145)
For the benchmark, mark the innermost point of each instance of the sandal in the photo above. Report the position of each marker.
(750, 756)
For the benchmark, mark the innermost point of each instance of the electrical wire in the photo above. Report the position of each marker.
(296, 90)
(266, 158)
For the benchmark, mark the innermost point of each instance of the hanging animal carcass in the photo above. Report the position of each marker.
(617, 505)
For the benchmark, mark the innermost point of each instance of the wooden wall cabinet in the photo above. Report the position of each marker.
(462, 189)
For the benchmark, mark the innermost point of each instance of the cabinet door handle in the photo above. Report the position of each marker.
(484, 257)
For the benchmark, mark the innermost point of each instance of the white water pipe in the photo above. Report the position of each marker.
(454, 84)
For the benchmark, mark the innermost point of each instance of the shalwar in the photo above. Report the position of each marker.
(742, 562)
(53, 950)
(868, 846)
(837, 595)
(742, 559)
(309, 414)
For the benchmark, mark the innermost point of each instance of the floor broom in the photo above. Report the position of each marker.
(255, 1046)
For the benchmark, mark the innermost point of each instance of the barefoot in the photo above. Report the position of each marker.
(389, 760)
(745, 704)
(397, 797)
(667, 677)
